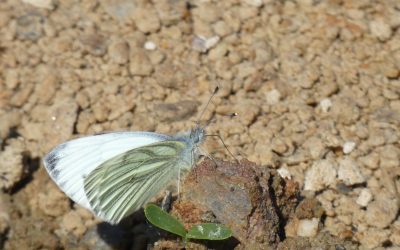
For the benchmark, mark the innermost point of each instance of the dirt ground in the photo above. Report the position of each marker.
(316, 86)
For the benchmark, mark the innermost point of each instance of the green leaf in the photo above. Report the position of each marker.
(163, 220)
(209, 231)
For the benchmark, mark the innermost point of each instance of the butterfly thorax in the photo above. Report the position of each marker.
(193, 139)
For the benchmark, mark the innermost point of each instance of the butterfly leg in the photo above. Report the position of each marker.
(166, 202)
(226, 147)
(179, 184)
(208, 155)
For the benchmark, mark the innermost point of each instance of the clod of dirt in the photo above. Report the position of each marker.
(12, 169)
(239, 195)
(255, 203)
(4, 217)
(167, 112)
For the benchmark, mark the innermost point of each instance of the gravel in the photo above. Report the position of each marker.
(315, 85)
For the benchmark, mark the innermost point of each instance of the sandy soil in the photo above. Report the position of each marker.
(316, 86)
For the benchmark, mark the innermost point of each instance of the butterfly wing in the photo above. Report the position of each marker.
(70, 162)
(124, 183)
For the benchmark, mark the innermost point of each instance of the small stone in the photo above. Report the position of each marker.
(380, 29)
(371, 160)
(169, 112)
(95, 44)
(140, 64)
(245, 69)
(376, 137)
(284, 173)
(395, 236)
(316, 147)
(218, 52)
(273, 96)
(119, 52)
(308, 227)
(345, 110)
(221, 28)
(147, 20)
(325, 105)
(46, 89)
(372, 238)
(382, 211)
(254, 3)
(12, 78)
(149, 45)
(364, 198)
(51, 201)
(389, 157)
(4, 214)
(72, 222)
(45, 4)
(11, 167)
(321, 174)
(349, 172)
(203, 44)
(348, 147)
(121, 10)
(30, 26)
(291, 227)
(208, 13)
(9, 120)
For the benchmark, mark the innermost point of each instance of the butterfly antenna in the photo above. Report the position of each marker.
(220, 138)
(208, 102)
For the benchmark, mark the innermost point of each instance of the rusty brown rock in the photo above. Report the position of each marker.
(240, 196)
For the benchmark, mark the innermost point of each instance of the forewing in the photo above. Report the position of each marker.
(124, 183)
(70, 162)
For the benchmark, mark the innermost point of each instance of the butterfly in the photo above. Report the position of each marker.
(115, 174)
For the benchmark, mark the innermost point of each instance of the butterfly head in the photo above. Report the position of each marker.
(197, 135)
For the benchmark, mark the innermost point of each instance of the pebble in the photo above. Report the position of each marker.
(147, 20)
(395, 236)
(380, 29)
(203, 44)
(382, 211)
(208, 13)
(349, 172)
(273, 96)
(11, 167)
(222, 29)
(254, 3)
(364, 197)
(348, 147)
(95, 44)
(218, 52)
(29, 26)
(284, 173)
(389, 157)
(345, 110)
(47, 88)
(119, 52)
(320, 175)
(371, 160)
(149, 45)
(72, 223)
(121, 10)
(372, 238)
(325, 105)
(316, 147)
(4, 214)
(52, 201)
(12, 78)
(46, 4)
(140, 64)
(308, 227)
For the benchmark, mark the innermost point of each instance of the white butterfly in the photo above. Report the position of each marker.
(115, 174)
